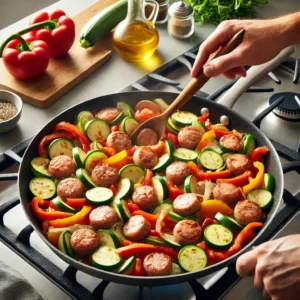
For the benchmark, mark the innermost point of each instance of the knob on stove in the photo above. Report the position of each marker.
(289, 109)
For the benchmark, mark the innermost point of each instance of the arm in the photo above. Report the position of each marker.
(263, 40)
(275, 266)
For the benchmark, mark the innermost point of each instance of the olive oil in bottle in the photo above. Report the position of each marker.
(136, 38)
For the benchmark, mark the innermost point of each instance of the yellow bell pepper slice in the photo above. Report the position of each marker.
(204, 141)
(116, 158)
(209, 208)
(255, 183)
(71, 220)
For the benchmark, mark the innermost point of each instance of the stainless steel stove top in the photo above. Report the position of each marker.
(250, 105)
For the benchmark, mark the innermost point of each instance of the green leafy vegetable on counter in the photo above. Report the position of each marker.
(217, 11)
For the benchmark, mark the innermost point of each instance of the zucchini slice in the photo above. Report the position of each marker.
(126, 109)
(213, 143)
(228, 222)
(96, 130)
(170, 240)
(122, 210)
(63, 206)
(269, 182)
(108, 238)
(172, 127)
(117, 229)
(60, 147)
(217, 236)
(183, 118)
(86, 115)
(210, 159)
(106, 258)
(199, 126)
(263, 197)
(128, 266)
(166, 205)
(95, 145)
(174, 217)
(99, 196)
(249, 145)
(133, 172)
(160, 188)
(39, 167)
(161, 104)
(176, 269)
(184, 154)
(190, 184)
(93, 158)
(153, 241)
(169, 148)
(64, 244)
(129, 125)
(162, 164)
(124, 189)
(118, 119)
(78, 156)
(85, 178)
(192, 258)
(42, 187)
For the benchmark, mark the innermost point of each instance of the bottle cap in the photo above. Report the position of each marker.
(180, 10)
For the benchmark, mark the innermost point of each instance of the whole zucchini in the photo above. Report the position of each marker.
(102, 23)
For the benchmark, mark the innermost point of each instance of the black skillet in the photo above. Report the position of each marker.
(223, 107)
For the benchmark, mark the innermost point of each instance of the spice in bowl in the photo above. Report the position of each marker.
(7, 110)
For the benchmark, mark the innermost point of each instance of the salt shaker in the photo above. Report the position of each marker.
(180, 20)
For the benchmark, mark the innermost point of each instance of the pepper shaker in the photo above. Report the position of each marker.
(180, 20)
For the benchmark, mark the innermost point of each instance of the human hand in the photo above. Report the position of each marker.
(275, 266)
(263, 40)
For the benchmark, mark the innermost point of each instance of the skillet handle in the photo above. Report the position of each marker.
(253, 74)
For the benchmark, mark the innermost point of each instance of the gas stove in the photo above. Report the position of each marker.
(276, 114)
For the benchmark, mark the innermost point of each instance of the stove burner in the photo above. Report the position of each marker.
(289, 109)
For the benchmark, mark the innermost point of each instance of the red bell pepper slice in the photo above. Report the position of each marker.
(115, 128)
(46, 215)
(126, 161)
(76, 203)
(219, 133)
(109, 151)
(61, 38)
(138, 269)
(172, 137)
(113, 188)
(158, 148)
(202, 119)
(131, 151)
(24, 59)
(132, 207)
(207, 222)
(148, 178)
(174, 191)
(144, 249)
(193, 168)
(240, 180)
(66, 126)
(48, 138)
(258, 153)
(213, 175)
(151, 218)
(126, 243)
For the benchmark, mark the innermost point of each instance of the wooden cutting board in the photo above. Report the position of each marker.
(62, 73)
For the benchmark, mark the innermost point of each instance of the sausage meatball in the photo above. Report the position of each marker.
(84, 241)
(232, 142)
(187, 232)
(105, 175)
(107, 114)
(61, 167)
(177, 172)
(227, 192)
(136, 228)
(145, 197)
(187, 204)
(147, 137)
(157, 264)
(103, 217)
(119, 141)
(70, 188)
(247, 211)
(189, 137)
(145, 157)
(238, 164)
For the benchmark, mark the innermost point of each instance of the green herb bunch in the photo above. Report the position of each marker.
(217, 11)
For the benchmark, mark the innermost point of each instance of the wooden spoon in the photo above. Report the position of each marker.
(158, 123)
